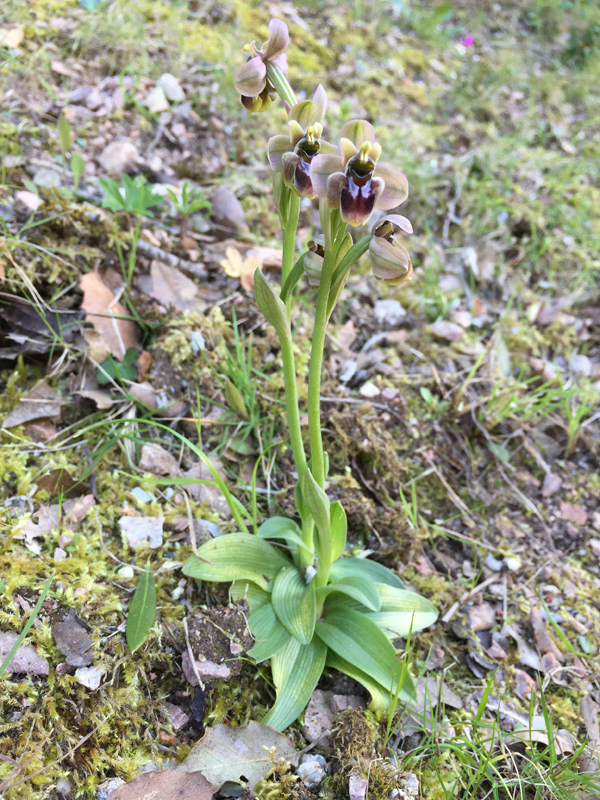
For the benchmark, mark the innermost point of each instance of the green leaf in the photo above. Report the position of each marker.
(236, 556)
(142, 611)
(358, 640)
(235, 400)
(362, 590)
(272, 306)
(380, 699)
(296, 672)
(253, 594)
(64, 134)
(318, 505)
(282, 528)
(364, 568)
(268, 631)
(499, 451)
(402, 611)
(295, 604)
(339, 529)
(118, 370)
(77, 168)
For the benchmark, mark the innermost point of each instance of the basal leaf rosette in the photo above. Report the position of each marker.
(353, 180)
(292, 155)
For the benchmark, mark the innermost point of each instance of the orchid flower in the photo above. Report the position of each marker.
(389, 258)
(353, 180)
(293, 154)
(251, 80)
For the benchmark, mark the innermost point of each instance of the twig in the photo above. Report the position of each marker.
(150, 251)
(191, 654)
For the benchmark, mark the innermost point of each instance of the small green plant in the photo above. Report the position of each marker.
(437, 405)
(135, 198)
(311, 607)
(189, 201)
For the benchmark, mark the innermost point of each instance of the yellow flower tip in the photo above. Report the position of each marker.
(318, 129)
(246, 47)
(365, 149)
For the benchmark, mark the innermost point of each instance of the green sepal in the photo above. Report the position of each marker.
(339, 528)
(358, 640)
(363, 591)
(296, 672)
(295, 604)
(268, 631)
(272, 306)
(236, 556)
(364, 568)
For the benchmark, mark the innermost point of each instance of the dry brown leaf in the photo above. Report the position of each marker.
(11, 35)
(172, 288)
(102, 398)
(158, 461)
(103, 312)
(40, 402)
(243, 268)
(543, 640)
(168, 784)
(96, 345)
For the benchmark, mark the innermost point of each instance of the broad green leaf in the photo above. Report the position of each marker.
(253, 594)
(318, 505)
(362, 590)
(364, 568)
(339, 529)
(236, 556)
(268, 631)
(295, 604)
(142, 611)
(402, 611)
(281, 528)
(271, 305)
(380, 699)
(296, 672)
(358, 640)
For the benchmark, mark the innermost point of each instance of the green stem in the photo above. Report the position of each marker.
(289, 241)
(316, 354)
(280, 82)
(293, 410)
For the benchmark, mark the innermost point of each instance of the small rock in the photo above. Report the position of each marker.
(207, 670)
(118, 157)
(495, 651)
(30, 200)
(339, 702)
(580, 366)
(369, 390)
(449, 331)
(94, 100)
(47, 177)
(493, 563)
(318, 717)
(90, 677)
(206, 530)
(573, 513)
(552, 484)
(388, 312)
(357, 787)
(156, 101)
(390, 393)
(177, 716)
(25, 660)
(59, 554)
(106, 788)
(462, 318)
(511, 563)
(482, 617)
(142, 530)
(141, 495)
(596, 521)
(312, 770)
(171, 87)
(227, 209)
(410, 784)
(126, 572)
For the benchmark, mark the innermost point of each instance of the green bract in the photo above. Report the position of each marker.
(310, 606)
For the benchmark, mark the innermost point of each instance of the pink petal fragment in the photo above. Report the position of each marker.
(251, 77)
(279, 39)
(358, 131)
(322, 166)
(396, 187)
(277, 146)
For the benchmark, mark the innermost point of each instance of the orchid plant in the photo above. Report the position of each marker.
(311, 605)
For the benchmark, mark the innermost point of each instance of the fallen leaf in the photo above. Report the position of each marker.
(73, 640)
(480, 616)
(142, 530)
(238, 267)
(534, 731)
(158, 461)
(543, 640)
(527, 654)
(11, 35)
(173, 289)
(102, 398)
(447, 330)
(59, 480)
(589, 711)
(40, 402)
(96, 345)
(104, 313)
(90, 677)
(346, 335)
(227, 209)
(573, 513)
(238, 756)
(25, 660)
(167, 784)
(269, 257)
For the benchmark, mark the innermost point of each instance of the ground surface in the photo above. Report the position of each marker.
(461, 422)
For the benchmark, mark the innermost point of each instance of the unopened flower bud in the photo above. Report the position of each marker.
(389, 258)
(313, 260)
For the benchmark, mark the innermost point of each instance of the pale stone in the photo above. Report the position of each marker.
(156, 101)
(171, 87)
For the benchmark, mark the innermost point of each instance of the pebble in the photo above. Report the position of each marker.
(171, 87)
(369, 390)
(512, 563)
(30, 200)
(118, 157)
(126, 572)
(47, 177)
(493, 563)
(389, 312)
(447, 330)
(156, 101)
(580, 366)
(357, 788)
(142, 530)
(312, 770)
(90, 677)
(105, 789)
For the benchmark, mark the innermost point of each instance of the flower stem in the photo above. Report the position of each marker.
(316, 354)
(289, 241)
(293, 411)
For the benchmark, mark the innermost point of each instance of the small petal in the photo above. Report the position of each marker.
(396, 187)
(335, 187)
(296, 132)
(322, 166)
(277, 146)
(320, 98)
(305, 113)
(358, 131)
(279, 39)
(375, 152)
(390, 261)
(280, 62)
(347, 150)
(326, 148)
(289, 161)
(251, 77)
(398, 221)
